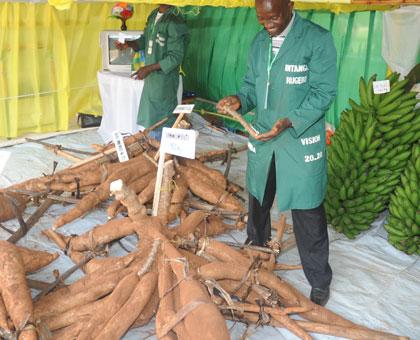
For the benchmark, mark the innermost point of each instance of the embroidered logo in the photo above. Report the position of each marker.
(295, 68)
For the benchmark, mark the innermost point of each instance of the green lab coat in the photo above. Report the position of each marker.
(302, 86)
(168, 39)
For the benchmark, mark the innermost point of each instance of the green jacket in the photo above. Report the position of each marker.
(164, 43)
(302, 87)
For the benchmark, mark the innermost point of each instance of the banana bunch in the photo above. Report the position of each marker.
(398, 122)
(404, 209)
(368, 153)
(353, 198)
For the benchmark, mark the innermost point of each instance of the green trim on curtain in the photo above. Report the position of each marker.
(220, 39)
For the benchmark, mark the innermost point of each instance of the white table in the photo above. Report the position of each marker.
(120, 97)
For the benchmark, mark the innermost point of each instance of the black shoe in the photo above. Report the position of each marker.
(320, 296)
(248, 241)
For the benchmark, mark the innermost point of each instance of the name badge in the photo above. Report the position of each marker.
(150, 49)
(251, 147)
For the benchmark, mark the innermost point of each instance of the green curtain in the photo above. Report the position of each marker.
(220, 39)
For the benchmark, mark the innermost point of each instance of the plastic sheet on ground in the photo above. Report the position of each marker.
(374, 284)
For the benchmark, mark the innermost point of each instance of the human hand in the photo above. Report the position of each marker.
(278, 127)
(120, 46)
(230, 103)
(143, 72)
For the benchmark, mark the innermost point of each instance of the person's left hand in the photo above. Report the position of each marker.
(143, 72)
(279, 127)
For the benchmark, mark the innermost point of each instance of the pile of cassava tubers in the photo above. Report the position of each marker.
(177, 273)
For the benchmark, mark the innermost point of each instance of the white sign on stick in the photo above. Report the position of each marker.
(4, 157)
(119, 146)
(179, 142)
(188, 108)
(381, 86)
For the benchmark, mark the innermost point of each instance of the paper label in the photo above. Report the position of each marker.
(381, 86)
(4, 157)
(119, 146)
(179, 142)
(184, 108)
(121, 38)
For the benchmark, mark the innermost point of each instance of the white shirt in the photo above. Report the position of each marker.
(158, 16)
(278, 40)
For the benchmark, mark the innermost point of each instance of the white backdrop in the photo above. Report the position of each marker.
(401, 38)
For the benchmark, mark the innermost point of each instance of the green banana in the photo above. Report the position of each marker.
(391, 117)
(399, 84)
(363, 93)
(375, 144)
(389, 108)
(393, 231)
(391, 97)
(384, 128)
(391, 134)
(409, 103)
(407, 137)
(358, 108)
(406, 118)
(408, 96)
(369, 91)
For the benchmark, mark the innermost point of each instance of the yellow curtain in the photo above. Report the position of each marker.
(335, 6)
(48, 62)
(82, 25)
(49, 59)
(33, 68)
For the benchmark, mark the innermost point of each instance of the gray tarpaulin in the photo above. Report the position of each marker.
(374, 284)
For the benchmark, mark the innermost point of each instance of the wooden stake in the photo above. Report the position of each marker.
(161, 157)
(178, 120)
(158, 184)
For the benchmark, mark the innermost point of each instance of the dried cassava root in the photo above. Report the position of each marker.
(191, 291)
(15, 294)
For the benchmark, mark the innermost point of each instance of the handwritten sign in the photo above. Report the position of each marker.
(179, 142)
(119, 146)
(184, 108)
(381, 86)
(4, 157)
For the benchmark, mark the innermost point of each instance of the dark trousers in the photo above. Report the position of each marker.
(310, 228)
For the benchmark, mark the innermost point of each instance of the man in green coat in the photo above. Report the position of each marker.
(291, 82)
(164, 42)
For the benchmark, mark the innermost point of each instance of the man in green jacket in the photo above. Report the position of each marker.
(164, 42)
(291, 81)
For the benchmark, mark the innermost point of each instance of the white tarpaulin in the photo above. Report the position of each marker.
(401, 38)
(374, 284)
